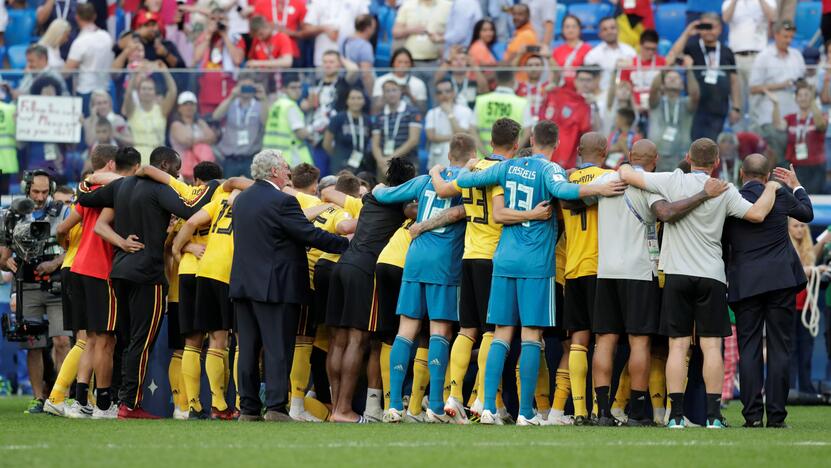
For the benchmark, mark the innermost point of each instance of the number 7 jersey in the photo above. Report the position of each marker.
(482, 233)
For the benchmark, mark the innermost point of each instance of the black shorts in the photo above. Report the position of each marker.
(98, 299)
(74, 313)
(306, 320)
(350, 298)
(579, 303)
(213, 306)
(693, 305)
(187, 304)
(626, 306)
(475, 294)
(558, 330)
(175, 340)
(323, 276)
(385, 297)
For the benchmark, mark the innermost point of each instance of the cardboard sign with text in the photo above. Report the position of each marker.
(49, 119)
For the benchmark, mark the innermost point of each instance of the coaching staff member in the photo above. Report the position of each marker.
(270, 281)
(764, 274)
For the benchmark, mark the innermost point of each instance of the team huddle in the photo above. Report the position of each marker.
(501, 251)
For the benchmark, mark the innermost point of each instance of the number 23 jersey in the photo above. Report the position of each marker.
(482, 232)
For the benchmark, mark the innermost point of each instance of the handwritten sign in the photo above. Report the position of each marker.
(49, 119)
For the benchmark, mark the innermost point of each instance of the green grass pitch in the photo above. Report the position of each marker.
(44, 441)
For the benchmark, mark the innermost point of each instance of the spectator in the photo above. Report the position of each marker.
(619, 96)
(348, 135)
(461, 23)
(421, 25)
(268, 48)
(37, 65)
(285, 126)
(805, 136)
(543, 16)
(572, 54)
(802, 343)
(286, 16)
(146, 112)
(501, 12)
(330, 22)
(48, 11)
(147, 26)
(217, 55)
(102, 135)
(720, 87)
(190, 135)
(413, 88)
(645, 70)
(623, 135)
(180, 33)
(775, 70)
(824, 91)
(101, 107)
(9, 164)
(635, 18)
(609, 53)
(40, 155)
(748, 25)
(811, 57)
(242, 114)
(534, 88)
(55, 37)
(466, 84)
(732, 149)
(484, 37)
(358, 50)
(524, 40)
(91, 53)
(671, 114)
(444, 121)
(396, 130)
(501, 102)
(566, 107)
(588, 86)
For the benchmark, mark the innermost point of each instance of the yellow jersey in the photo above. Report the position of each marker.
(353, 206)
(191, 194)
(581, 229)
(395, 252)
(74, 242)
(328, 221)
(172, 266)
(219, 252)
(482, 232)
(560, 259)
(307, 201)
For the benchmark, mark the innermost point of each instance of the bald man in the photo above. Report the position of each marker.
(764, 273)
(627, 298)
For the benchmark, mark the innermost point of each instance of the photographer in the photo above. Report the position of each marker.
(41, 284)
(242, 126)
(216, 53)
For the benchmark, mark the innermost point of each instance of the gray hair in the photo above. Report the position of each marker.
(728, 137)
(264, 162)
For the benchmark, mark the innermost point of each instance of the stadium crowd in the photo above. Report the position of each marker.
(610, 154)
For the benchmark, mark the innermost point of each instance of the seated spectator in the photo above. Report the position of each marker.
(37, 65)
(671, 114)
(644, 69)
(623, 135)
(534, 88)
(636, 17)
(242, 115)
(566, 107)
(806, 136)
(445, 120)
(396, 129)
(146, 111)
(218, 56)
(330, 22)
(358, 50)
(91, 54)
(191, 136)
(37, 155)
(285, 126)
(609, 53)
(524, 40)
(461, 23)
(268, 48)
(484, 37)
(347, 137)
(101, 107)
(413, 89)
(55, 37)
(570, 55)
(466, 84)
(287, 18)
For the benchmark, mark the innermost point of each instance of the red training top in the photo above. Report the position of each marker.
(814, 140)
(95, 255)
(572, 114)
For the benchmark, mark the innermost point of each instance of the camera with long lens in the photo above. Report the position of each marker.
(27, 239)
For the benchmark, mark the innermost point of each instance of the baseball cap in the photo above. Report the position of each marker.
(811, 55)
(185, 97)
(145, 16)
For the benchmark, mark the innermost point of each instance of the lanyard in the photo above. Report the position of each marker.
(358, 139)
(707, 55)
(398, 116)
(569, 60)
(629, 137)
(458, 89)
(802, 129)
(673, 121)
(285, 12)
(62, 12)
(242, 118)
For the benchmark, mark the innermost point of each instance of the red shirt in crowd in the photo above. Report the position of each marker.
(561, 55)
(534, 93)
(277, 46)
(290, 14)
(642, 8)
(572, 114)
(804, 131)
(95, 255)
(641, 75)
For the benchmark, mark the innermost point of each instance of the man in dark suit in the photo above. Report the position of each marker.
(270, 281)
(764, 275)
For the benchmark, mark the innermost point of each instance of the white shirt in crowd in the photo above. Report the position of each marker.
(770, 68)
(438, 121)
(606, 57)
(417, 87)
(339, 14)
(749, 25)
(93, 50)
(542, 11)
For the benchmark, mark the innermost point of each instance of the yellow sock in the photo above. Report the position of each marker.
(301, 369)
(322, 339)
(317, 409)
(385, 373)
(215, 369)
(174, 374)
(474, 392)
(484, 347)
(543, 395)
(227, 366)
(446, 392)
(594, 402)
(518, 383)
(459, 361)
(421, 377)
(624, 390)
(562, 389)
(191, 371)
(67, 373)
(658, 382)
(499, 402)
(236, 381)
(578, 366)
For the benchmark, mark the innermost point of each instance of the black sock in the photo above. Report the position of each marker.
(637, 404)
(102, 398)
(713, 405)
(81, 393)
(602, 401)
(677, 411)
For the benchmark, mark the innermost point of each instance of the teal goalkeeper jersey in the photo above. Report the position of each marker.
(525, 250)
(435, 256)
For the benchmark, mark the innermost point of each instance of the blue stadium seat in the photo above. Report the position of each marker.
(807, 19)
(558, 23)
(590, 15)
(498, 49)
(383, 49)
(663, 46)
(670, 20)
(120, 22)
(17, 56)
(21, 27)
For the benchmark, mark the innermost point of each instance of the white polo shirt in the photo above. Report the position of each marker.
(749, 26)
(92, 49)
(770, 68)
(606, 57)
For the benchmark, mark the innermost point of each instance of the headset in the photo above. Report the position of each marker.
(29, 177)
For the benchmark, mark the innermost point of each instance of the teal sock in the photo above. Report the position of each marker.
(437, 356)
(399, 361)
(493, 372)
(529, 367)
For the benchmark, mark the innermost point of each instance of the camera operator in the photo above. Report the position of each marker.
(41, 284)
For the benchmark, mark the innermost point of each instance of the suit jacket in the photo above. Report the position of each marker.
(760, 257)
(270, 235)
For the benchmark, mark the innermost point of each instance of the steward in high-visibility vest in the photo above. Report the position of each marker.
(8, 145)
(285, 127)
(490, 107)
